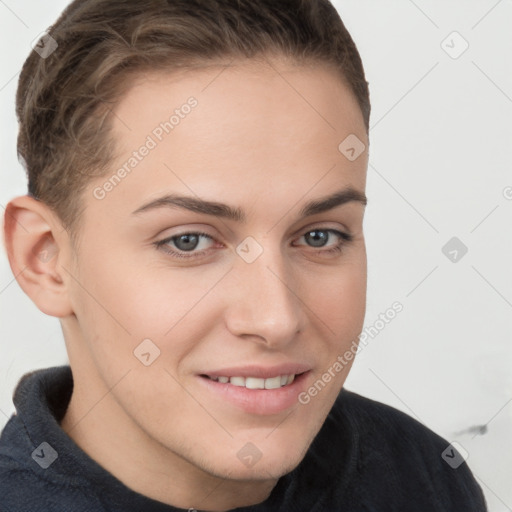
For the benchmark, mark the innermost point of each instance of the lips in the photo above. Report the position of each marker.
(257, 389)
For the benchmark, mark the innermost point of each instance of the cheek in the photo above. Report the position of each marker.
(339, 299)
(122, 303)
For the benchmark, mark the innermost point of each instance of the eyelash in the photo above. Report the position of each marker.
(162, 244)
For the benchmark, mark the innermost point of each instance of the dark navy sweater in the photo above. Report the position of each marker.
(367, 457)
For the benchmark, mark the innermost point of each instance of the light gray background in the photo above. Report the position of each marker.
(440, 165)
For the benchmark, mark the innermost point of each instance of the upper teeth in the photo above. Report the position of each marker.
(256, 383)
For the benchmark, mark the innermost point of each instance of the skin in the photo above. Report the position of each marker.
(252, 142)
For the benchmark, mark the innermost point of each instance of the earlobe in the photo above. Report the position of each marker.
(30, 229)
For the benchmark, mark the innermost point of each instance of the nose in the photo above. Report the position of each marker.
(263, 304)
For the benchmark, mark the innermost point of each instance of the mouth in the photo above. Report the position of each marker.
(279, 381)
(272, 394)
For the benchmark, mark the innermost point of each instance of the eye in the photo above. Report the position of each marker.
(185, 243)
(320, 237)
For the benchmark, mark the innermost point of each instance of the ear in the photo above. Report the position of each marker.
(31, 232)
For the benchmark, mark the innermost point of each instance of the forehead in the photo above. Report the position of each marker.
(230, 95)
(252, 126)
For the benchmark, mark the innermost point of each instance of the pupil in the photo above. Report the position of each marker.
(189, 242)
(318, 238)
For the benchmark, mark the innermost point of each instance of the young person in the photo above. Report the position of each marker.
(194, 216)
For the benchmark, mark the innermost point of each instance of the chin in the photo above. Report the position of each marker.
(261, 470)
(271, 462)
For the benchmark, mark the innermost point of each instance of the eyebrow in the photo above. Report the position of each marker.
(222, 210)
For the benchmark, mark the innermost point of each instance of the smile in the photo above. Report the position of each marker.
(270, 393)
(256, 383)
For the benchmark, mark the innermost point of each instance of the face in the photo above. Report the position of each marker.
(209, 264)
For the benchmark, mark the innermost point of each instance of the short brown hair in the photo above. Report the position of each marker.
(63, 101)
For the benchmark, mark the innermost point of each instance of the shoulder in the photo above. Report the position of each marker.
(23, 489)
(402, 453)
(26, 482)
